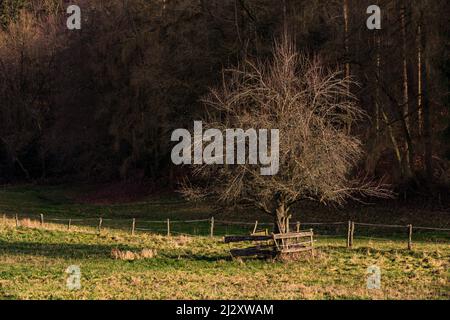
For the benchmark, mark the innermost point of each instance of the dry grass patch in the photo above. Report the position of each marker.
(130, 255)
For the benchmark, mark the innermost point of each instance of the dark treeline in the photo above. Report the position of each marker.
(100, 103)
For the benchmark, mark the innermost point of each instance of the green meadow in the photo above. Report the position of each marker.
(34, 258)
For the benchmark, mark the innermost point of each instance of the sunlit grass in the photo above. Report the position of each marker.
(33, 258)
(33, 261)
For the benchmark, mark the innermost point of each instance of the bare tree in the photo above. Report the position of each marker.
(309, 104)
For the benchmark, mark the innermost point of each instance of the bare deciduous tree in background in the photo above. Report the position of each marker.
(309, 104)
(27, 59)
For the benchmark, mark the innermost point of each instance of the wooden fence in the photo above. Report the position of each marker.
(135, 224)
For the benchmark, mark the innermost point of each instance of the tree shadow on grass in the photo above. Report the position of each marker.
(199, 257)
(366, 250)
(94, 251)
(61, 250)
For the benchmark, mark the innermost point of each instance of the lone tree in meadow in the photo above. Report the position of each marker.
(311, 106)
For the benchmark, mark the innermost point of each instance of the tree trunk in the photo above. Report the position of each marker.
(419, 77)
(379, 110)
(427, 138)
(345, 8)
(285, 26)
(377, 83)
(427, 133)
(236, 22)
(281, 215)
(346, 35)
(409, 158)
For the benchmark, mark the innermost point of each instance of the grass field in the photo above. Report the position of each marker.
(33, 260)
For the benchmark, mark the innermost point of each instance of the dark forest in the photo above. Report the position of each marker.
(99, 104)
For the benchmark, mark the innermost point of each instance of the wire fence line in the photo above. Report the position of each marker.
(213, 227)
(381, 225)
(322, 223)
(240, 223)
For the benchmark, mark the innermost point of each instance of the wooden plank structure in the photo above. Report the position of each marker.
(273, 245)
(259, 232)
(294, 241)
(262, 232)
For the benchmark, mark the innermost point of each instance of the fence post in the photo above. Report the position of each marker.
(312, 242)
(351, 234)
(4, 218)
(100, 221)
(255, 227)
(212, 227)
(68, 224)
(133, 226)
(348, 233)
(288, 223)
(42, 220)
(17, 220)
(168, 227)
(410, 231)
(298, 226)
